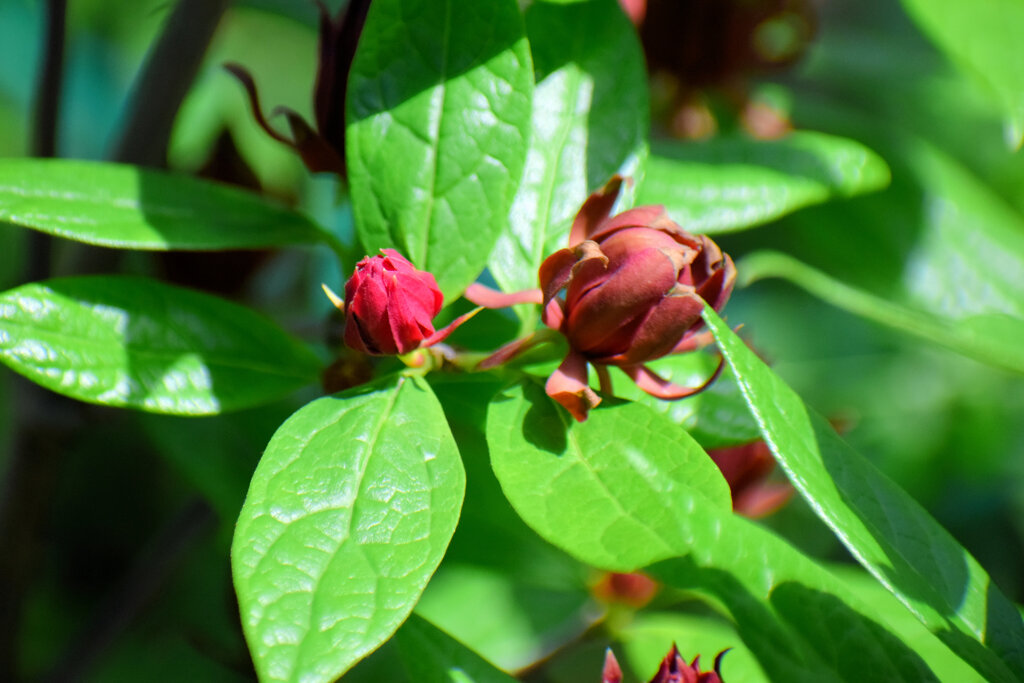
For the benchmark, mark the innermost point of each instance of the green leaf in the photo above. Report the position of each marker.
(885, 529)
(628, 487)
(717, 417)
(431, 655)
(984, 40)
(590, 121)
(347, 517)
(138, 343)
(969, 256)
(989, 338)
(646, 455)
(438, 123)
(127, 207)
(728, 184)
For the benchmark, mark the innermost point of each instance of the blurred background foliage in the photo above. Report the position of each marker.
(129, 568)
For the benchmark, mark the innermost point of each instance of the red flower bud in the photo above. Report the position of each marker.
(746, 468)
(390, 305)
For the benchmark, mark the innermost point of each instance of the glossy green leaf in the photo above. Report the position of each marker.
(138, 343)
(590, 121)
(432, 656)
(128, 207)
(347, 517)
(628, 487)
(969, 257)
(983, 38)
(717, 417)
(728, 184)
(438, 124)
(989, 338)
(645, 454)
(886, 530)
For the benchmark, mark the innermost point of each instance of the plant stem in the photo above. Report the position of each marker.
(164, 79)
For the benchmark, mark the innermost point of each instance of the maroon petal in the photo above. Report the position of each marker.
(317, 153)
(596, 209)
(564, 265)
(658, 387)
(568, 385)
(639, 217)
(598, 321)
(492, 298)
(662, 330)
(372, 326)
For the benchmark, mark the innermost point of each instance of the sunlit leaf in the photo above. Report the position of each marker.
(138, 343)
(883, 527)
(127, 207)
(728, 184)
(438, 125)
(347, 517)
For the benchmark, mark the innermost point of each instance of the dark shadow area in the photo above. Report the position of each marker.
(801, 633)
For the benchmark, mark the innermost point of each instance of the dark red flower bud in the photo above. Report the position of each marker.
(632, 589)
(389, 306)
(629, 289)
(673, 669)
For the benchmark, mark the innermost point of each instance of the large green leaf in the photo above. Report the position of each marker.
(139, 343)
(992, 338)
(728, 184)
(348, 515)
(590, 121)
(984, 39)
(628, 487)
(438, 124)
(127, 207)
(885, 529)
(645, 454)
(430, 655)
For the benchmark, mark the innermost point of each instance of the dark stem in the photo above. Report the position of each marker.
(164, 79)
(136, 591)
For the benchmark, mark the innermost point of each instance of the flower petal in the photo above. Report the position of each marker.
(443, 333)
(662, 329)
(568, 385)
(594, 211)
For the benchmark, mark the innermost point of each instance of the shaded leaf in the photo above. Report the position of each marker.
(138, 343)
(886, 530)
(990, 338)
(128, 207)
(590, 121)
(438, 121)
(348, 515)
(728, 184)
(430, 654)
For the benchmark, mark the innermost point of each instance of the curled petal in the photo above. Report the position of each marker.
(641, 216)
(317, 153)
(663, 329)
(492, 298)
(552, 315)
(595, 211)
(658, 387)
(568, 385)
(562, 266)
